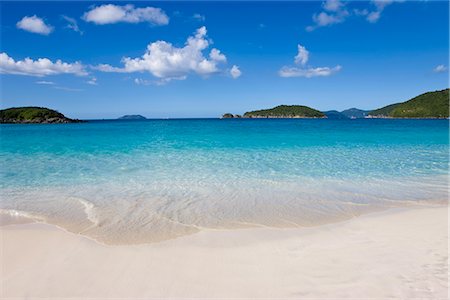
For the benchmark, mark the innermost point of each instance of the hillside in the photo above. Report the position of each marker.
(335, 115)
(428, 105)
(355, 113)
(286, 111)
(33, 115)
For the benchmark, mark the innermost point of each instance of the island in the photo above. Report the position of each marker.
(351, 113)
(433, 105)
(230, 116)
(355, 113)
(286, 111)
(335, 115)
(227, 116)
(430, 105)
(33, 115)
(132, 117)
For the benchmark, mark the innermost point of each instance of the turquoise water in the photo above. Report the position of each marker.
(143, 181)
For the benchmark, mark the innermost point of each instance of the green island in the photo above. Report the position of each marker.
(33, 115)
(429, 105)
(286, 111)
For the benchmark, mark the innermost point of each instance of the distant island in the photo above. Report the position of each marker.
(429, 105)
(351, 113)
(433, 105)
(355, 113)
(132, 117)
(33, 115)
(281, 111)
(335, 115)
(230, 116)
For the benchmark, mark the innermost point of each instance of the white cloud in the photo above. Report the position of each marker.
(303, 55)
(302, 71)
(110, 14)
(380, 5)
(199, 17)
(45, 82)
(440, 69)
(40, 67)
(167, 62)
(373, 16)
(92, 81)
(332, 5)
(72, 24)
(235, 72)
(217, 56)
(34, 24)
(325, 19)
(159, 82)
(140, 81)
(308, 72)
(67, 89)
(335, 11)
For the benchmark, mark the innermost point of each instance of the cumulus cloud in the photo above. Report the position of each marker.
(217, 56)
(235, 72)
(333, 5)
(303, 55)
(440, 69)
(34, 24)
(72, 24)
(167, 62)
(40, 67)
(110, 14)
(335, 11)
(301, 59)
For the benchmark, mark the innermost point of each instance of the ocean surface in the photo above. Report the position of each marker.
(122, 182)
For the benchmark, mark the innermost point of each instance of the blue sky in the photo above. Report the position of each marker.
(327, 55)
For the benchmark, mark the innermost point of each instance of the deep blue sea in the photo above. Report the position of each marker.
(143, 181)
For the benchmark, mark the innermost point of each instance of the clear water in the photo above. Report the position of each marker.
(144, 181)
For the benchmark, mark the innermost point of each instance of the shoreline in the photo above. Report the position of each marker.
(395, 253)
(18, 218)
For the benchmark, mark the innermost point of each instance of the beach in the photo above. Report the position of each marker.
(399, 253)
(224, 150)
(210, 208)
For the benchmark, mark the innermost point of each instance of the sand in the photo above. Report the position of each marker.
(395, 254)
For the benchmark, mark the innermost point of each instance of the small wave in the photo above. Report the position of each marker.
(89, 210)
(21, 214)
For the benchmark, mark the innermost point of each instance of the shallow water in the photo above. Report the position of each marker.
(144, 181)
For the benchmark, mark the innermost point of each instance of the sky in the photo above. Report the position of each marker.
(164, 59)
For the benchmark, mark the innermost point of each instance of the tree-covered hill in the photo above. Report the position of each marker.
(33, 115)
(428, 105)
(286, 111)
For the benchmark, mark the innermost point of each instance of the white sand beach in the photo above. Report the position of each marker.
(395, 254)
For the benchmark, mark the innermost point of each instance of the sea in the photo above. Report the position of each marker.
(132, 182)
